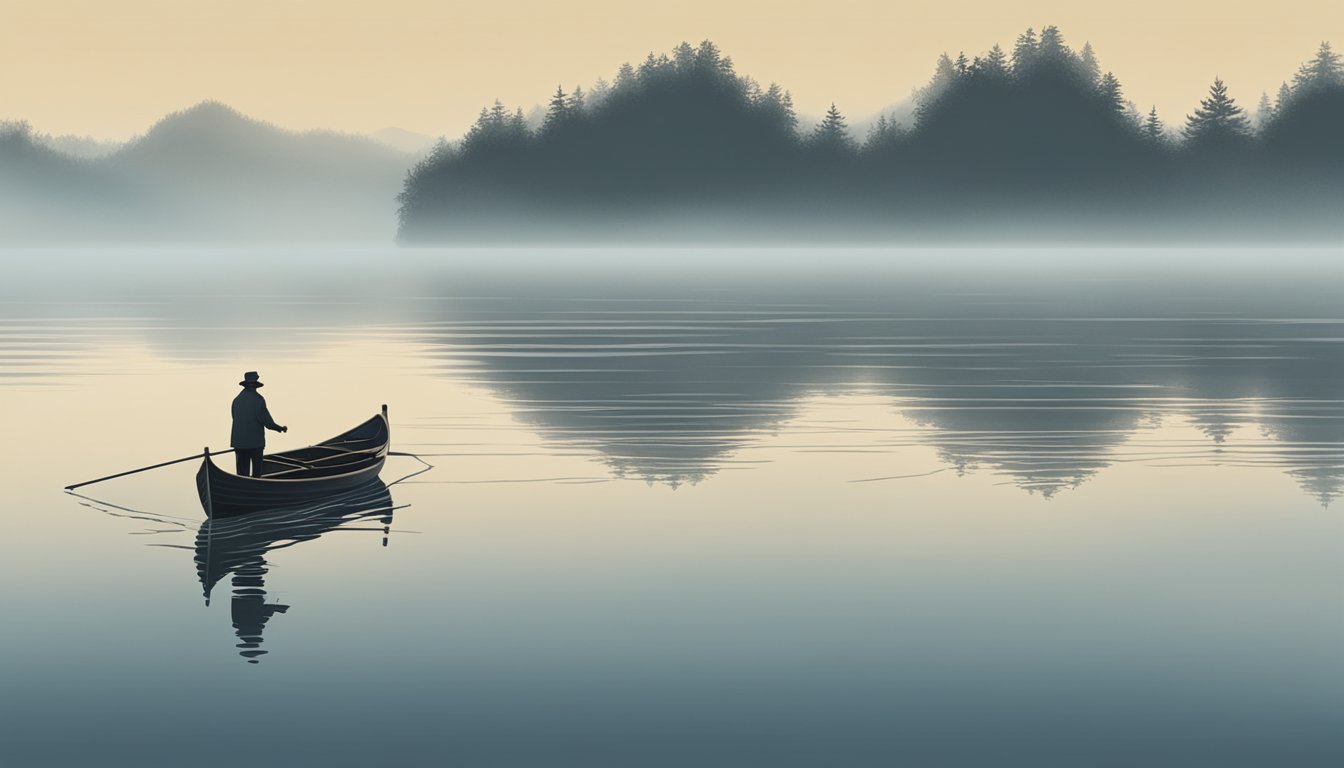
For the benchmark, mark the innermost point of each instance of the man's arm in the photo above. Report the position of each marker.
(266, 421)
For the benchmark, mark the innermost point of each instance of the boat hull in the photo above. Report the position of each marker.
(227, 546)
(345, 462)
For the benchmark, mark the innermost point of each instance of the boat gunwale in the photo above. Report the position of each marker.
(375, 454)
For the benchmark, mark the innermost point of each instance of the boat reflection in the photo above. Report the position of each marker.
(240, 546)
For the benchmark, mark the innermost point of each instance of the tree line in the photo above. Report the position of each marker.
(1040, 124)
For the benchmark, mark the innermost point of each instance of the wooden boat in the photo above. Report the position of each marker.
(346, 461)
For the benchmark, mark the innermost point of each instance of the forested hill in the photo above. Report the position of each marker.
(203, 174)
(1036, 141)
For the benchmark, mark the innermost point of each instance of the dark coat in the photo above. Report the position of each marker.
(250, 420)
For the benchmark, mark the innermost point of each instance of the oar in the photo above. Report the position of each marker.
(145, 469)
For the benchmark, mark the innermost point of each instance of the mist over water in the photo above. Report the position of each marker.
(715, 506)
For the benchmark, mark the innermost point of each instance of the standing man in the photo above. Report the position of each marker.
(250, 422)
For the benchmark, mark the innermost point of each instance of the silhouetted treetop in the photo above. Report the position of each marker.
(679, 120)
(1264, 111)
(1218, 121)
(1153, 129)
(993, 64)
(559, 110)
(776, 105)
(1112, 93)
(1024, 52)
(1307, 122)
(832, 133)
(1324, 71)
(1088, 64)
(1046, 118)
(883, 135)
(1040, 123)
(945, 75)
(1051, 50)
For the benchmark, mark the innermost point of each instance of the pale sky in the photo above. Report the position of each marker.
(110, 68)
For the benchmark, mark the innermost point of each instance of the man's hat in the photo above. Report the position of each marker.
(251, 379)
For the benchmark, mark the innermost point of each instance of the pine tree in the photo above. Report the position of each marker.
(995, 63)
(648, 68)
(1024, 52)
(832, 132)
(709, 60)
(625, 78)
(1088, 66)
(1052, 50)
(1218, 120)
(656, 68)
(1281, 101)
(1133, 117)
(601, 90)
(493, 125)
(777, 105)
(944, 74)
(1111, 93)
(883, 133)
(878, 133)
(751, 90)
(517, 126)
(577, 101)
(1264, 112)
(1153, 130)
(1323, 71)
(557, 110)
(962, 64)
(790, 115)
(480, 129)
(683, 56)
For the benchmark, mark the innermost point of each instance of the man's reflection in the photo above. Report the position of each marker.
(239, 546)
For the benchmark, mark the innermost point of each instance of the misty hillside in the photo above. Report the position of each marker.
(206, 173)
(900, 115)
(406, 141)
(43, 191)
(1035, 142)
(84, 147)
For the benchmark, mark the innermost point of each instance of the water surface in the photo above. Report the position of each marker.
(687, 507)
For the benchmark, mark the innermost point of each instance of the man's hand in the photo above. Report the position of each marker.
(284, 429)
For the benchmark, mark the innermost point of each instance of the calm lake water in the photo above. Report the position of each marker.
(1059, 508)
